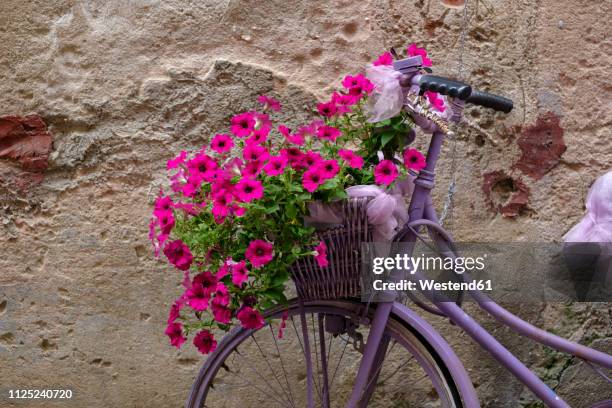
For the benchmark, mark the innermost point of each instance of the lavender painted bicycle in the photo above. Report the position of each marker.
(337, 351)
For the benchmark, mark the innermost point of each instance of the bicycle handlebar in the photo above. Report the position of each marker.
(464, 92)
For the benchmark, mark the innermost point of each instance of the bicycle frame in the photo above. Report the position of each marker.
(421, 210)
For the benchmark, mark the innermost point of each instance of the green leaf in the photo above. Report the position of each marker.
(291, 210)
(330, 184)
(386, 138)
(273, 209)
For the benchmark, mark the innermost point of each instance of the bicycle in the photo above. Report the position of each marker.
(387, 345)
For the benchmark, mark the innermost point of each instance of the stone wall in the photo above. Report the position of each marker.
(97, 94)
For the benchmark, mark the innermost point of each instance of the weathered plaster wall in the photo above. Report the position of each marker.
(123, 85)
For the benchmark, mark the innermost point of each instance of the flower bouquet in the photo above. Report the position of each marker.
(235, 220)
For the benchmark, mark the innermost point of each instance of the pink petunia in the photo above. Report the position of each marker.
(202, 167)
(311, 159)
(358, 85)
(163, 204)
(243, 124)
(312, 179)
(344, 102)
(175, 332)
(413, 51)
(221, 205)
(240, 273)
(295, 139)
(205, 342)
(385, 172)
(276, 165)
(208, 281)
(328, 168)
(310, 130)
(175, 311)
(166, 221)
(327, 109)
(259, 252)
(328, 133)
(269, 103)
(321, 256)
(384, 59)
(221, 313)
(248, 190)
(177, 161)
(197, 298)
(435, 101)
(222, 296)
(259, 136)
(352, 159)
(250, 318)
(221, 143)
(225, 268)
(252, 169)
(253, 152)
(283, 324)
(413, 159)
(178, 254)
(294, 157)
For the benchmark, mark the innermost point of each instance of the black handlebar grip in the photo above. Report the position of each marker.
(445, 86)
(499, 103)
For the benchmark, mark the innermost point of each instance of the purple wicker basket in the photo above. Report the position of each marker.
(341, 278)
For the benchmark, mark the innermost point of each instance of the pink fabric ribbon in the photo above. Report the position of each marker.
(386, 211)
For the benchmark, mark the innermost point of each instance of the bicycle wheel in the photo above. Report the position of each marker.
(257, 368)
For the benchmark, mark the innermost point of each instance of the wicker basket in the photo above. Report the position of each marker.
(341, 278)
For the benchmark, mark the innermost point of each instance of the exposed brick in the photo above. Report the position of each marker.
(505, 194)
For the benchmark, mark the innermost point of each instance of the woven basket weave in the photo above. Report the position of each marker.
(341, 278)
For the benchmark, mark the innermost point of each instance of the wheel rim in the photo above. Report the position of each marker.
(409, 376)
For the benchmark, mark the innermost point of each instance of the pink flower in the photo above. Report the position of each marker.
(222, 143)
(208, 282)
(413, 50)
(384, 59)
(328, 168)
(175, 311)
(178, 254)
(205, 342)
(250, 318)
(252, 168)
(259, 136)
(243, 124)
(197, 297)
(166, 222)
(221, 203)
(312, 179)
(352, 160)
(358, 85)
(294, 156)
(276, 165)
(413, 159)
(248, 190)
(269, 103)
(225, 269)
(296, 139)
(202, 167)
(222, 296)
(344, 102)
(328, 133)
(178, 160)
(283, 324)
(259, 252)
(253, 152)
(240, 273)
(221, 313)
(175, 332)
(321, 256)
(311, 159)
(310, 130)
(437, 103)
(163, 204)
(327, 109)
(385, 172)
